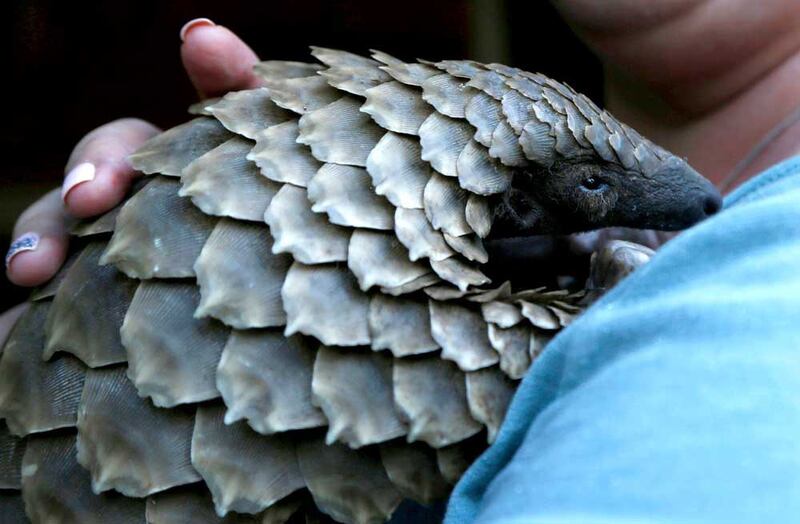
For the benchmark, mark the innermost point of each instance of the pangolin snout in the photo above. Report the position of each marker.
(693, 197)
(706, 201)
(712, 204)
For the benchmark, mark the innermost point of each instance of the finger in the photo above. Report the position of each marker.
(98, 172)
(216, 60)
(8, 319)
(41, 242)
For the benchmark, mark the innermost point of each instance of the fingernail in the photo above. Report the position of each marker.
(78, 175)
(27, 242)
(191, 24)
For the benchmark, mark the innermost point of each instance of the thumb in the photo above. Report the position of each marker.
(216, 59)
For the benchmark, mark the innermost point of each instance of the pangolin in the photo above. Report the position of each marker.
(291, 315)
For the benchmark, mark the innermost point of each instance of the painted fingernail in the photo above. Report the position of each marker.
(78, 175)
(191, 24)
(27, 242)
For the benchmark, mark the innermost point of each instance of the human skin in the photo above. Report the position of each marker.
(707, 79)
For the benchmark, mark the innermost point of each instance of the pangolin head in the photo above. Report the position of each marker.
(586, 170)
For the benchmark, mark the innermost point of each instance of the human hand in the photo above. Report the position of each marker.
(98, 174)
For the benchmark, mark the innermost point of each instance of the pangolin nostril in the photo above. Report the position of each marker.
(712, 204)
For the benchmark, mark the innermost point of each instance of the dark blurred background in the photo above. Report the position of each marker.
(73, 66)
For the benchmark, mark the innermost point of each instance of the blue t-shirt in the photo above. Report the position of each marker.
(675, 398)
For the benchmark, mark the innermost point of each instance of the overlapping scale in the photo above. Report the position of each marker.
(281, 158)
(12, 448)
(463, 336)
(285, 69)
(265, 378)
(396, 107)
(346, 195)
(339, 132)
(57, 489)
(398, 171)
(377, 258)
(37, 395)
(90, 295)
(158, 233)
(172, 356)
(400, 324)
(248, 112)
(416, 233)
(223, 182)
(348, 71)
(171, 151)
(245, 472)
(325, 302)
(349, 485)
(304, 234)
(354, 390)
(126, 443)
(408, 73)
(414, 471)
(301, 94)
(431, 394)
(240, 278)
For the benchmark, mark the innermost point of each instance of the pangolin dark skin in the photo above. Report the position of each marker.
(291, 315)
(587, 194)
(528, 243)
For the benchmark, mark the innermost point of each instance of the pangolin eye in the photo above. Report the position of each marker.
(592, 183)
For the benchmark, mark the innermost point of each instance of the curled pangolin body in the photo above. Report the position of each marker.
(290, 314)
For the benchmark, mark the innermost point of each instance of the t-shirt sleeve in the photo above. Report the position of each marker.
(675, 398)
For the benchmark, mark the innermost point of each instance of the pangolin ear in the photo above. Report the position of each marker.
(517, 213)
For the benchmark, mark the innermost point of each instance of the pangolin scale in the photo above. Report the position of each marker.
(290, 316)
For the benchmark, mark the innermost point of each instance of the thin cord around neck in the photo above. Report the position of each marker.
(741, 167)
